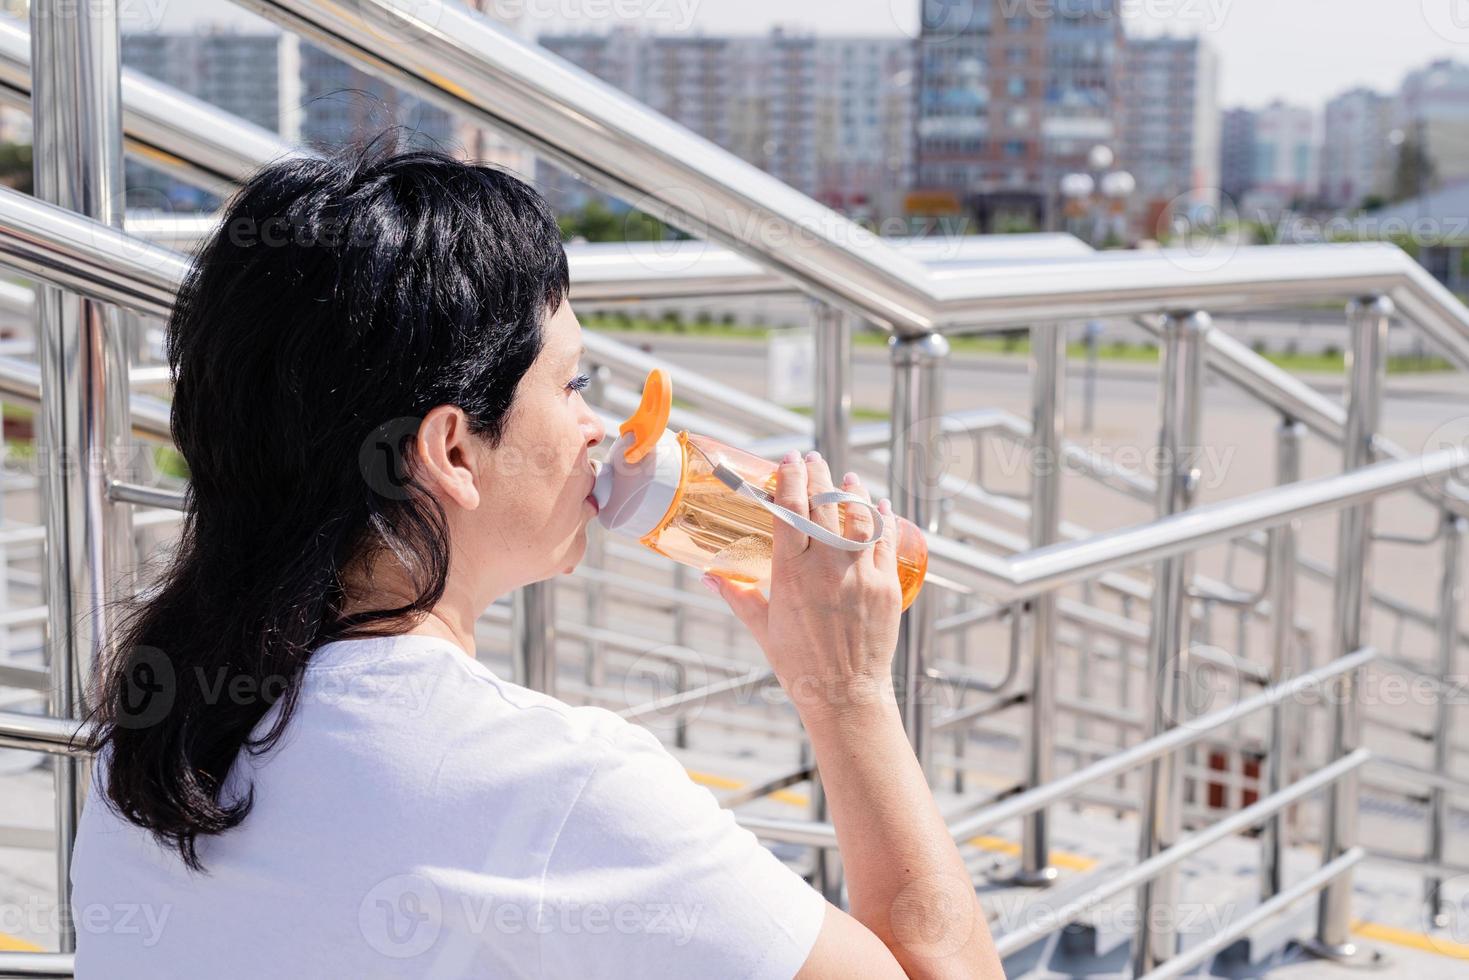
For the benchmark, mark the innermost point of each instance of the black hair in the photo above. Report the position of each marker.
(339, 300)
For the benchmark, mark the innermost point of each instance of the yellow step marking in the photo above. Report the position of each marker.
(14, 944)
(1411, 940)
(724, 782)
(1061, 859)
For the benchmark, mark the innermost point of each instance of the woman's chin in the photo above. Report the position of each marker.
(575, 553)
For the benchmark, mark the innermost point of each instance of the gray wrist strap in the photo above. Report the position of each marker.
(744, 488)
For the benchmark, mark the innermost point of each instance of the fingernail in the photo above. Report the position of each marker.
(885, 506)
(710, 583)
(850, 479)
(812, 456)
(791, 457)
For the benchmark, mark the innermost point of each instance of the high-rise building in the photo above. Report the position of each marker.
(482, 142)
(1357, 153)
(1009, 102)
(341, 103)
(250, 75)
(1287, 157)
(981, 96)
(240, 73)
(1432, 112)
(1236, 154)
(1171, 112)
(1085, 50)
(831, 116)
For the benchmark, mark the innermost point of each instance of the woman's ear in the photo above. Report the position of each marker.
(450, 455)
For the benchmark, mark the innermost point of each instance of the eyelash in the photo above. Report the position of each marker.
(579, 383)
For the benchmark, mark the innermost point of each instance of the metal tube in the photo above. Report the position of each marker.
(914, 477)
(176, 133)
(831, 411)
(1175, 738)
(1281, 571)
(832, 398)
(533, 636)
(1180, 445)
(1032, 572)
(1047, 424)
(37, 965)
(84, 361)
(1330, 874)
(1450, 593)
(1261, 810)
(1366, 368)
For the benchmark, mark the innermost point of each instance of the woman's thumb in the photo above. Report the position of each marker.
(745, 601)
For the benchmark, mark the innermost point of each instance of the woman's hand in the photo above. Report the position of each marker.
(831, 624)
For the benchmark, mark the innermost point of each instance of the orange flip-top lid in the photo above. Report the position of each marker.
(651, 418)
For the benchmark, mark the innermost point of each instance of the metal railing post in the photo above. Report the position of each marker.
(831, 412)
(1047, 425)
(1369, 318)
(1449, 595)
(533, 636)
(832, 395)
(596, 556)
(77, 119)
(1280, 568)
(1179, 438)
(913, 478)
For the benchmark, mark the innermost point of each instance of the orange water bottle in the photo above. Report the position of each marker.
(705, 504)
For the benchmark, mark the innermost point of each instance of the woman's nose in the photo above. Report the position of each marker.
(595, 429)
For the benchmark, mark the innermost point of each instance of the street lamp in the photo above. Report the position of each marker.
(1097, 201)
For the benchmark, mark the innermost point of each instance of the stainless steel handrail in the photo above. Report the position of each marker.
(177, 133)
(1046, 568)
(474, 68)
(1237, 822)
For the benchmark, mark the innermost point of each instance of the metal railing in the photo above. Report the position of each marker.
(777, 241)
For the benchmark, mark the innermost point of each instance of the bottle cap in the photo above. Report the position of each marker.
(639, 482)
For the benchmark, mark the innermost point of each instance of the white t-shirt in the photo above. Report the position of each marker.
(422, 817)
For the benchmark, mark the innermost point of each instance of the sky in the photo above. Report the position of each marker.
(1304, 51)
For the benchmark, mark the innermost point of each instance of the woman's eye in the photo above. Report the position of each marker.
(579, 383)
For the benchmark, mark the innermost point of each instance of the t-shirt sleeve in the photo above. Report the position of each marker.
(650, 877)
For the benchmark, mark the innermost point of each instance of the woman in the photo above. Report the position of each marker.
(303, 770)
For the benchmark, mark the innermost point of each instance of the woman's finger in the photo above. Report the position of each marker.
(745, 601)
(885, 552)
(790, 493)
(857, 520)
(818, 480)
